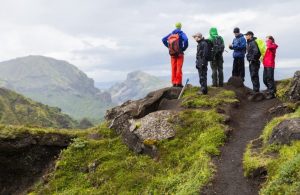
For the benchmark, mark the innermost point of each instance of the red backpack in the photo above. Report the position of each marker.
(173, 44)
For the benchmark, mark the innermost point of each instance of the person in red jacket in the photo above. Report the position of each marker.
(269, 66)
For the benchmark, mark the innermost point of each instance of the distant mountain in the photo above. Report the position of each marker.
(55, 83)
(15, 109)
(137, 85)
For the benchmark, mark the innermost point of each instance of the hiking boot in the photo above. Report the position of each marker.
(202, 93)
(270, 96)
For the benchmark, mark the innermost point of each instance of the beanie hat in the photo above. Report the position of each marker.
(178, 25)
(236, 30)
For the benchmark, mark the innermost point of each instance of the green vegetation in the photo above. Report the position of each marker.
(283, 87)
(282, 162)
(215, 97)
(15, 109)
(107, 166)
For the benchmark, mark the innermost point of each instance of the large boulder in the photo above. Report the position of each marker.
(155, 126)
(294, 92)
(121, 118)
(286, 131)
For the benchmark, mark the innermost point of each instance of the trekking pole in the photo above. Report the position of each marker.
(181, 93)
(226, 51)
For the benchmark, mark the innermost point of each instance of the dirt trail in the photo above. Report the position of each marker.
(248, 121)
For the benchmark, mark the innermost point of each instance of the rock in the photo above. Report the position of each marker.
(155, 126)
(236, 82)
(121, 117)
(280, 110)
(286, 131)
(256, 97)
(294, 92)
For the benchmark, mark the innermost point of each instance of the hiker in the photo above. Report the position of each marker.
(253, 55)
(269, 66)
(201, 61)
(177, 42)
(239, 50)
(217, 61)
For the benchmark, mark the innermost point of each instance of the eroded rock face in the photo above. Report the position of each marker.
(280, 110)
(294, 92)
(286, 131)
(121, 118)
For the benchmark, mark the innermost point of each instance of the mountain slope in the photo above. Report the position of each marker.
(15, 109)
(137, 85)
(55, 83)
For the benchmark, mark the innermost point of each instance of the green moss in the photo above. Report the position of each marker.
(282, 162)
(283, 87)
(215, 97)
(106, 166)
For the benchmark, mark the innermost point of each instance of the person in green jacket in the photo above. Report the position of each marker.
(217, 61)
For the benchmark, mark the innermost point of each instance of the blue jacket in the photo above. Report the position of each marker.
(184, 42)
(239, 46)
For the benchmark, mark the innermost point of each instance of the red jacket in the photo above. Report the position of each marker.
(269, 59)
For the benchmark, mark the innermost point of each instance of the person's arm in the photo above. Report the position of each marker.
(165, 40)
(185, 41)
(205, 51)
(255, 51)
(240, 44)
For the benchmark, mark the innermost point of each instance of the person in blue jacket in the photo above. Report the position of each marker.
(239, 50)
(177, 53)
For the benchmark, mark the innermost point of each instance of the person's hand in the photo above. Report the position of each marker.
(230, 46)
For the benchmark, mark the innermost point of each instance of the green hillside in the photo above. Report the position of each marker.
(15, 109)
(55, 83)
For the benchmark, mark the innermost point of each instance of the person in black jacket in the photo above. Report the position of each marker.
(253, 55)
(201, 61)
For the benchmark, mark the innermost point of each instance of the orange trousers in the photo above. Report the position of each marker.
(176, 63)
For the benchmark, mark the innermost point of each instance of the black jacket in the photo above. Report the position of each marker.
(253, 53)
(202, 53)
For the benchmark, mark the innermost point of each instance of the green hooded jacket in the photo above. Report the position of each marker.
(213, 33)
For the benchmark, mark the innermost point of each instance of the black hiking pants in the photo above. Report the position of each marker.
(269, 80)
(202, 71)
(238, 69)
(217, 71)
(254, 70)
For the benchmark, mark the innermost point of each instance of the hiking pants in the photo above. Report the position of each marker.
(176, 63)
(202, 71)
(254, 70)
(217, 71)
(238, 69)
(269, 80)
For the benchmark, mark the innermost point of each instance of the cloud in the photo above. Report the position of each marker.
(109, 38)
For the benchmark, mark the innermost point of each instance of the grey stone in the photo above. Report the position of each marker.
(154, 126)
(236, 82)
(286, 131)
(294, 92)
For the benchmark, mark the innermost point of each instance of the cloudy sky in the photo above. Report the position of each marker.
(109, 38)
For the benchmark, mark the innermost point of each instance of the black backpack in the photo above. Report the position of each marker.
(210, 55)
(218, 46)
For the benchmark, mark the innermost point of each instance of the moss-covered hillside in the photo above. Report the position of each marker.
(281, 162)
(16, 109)
(104, 165)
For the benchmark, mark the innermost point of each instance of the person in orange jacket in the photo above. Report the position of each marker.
(177, 43)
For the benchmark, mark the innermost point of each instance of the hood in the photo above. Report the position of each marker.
(177, 31)
(213, 32)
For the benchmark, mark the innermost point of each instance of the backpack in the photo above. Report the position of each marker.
(261, 46)
(218, 46)
(210, 55)
(173, 45)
